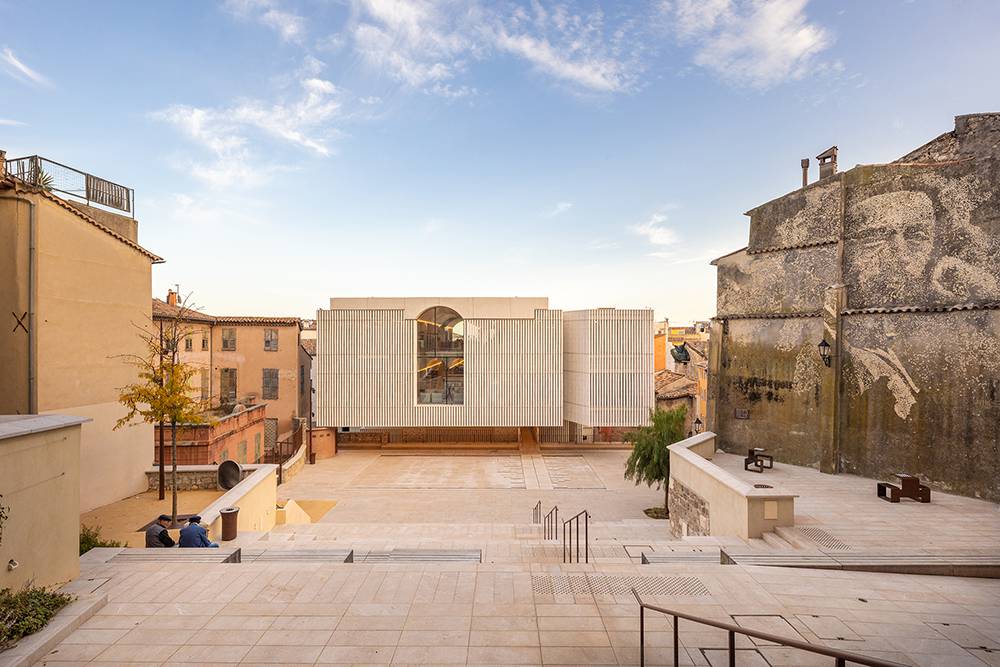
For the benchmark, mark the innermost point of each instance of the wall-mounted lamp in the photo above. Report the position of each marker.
(698, 425)
(824, 351)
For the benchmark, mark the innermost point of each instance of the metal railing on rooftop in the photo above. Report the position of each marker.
(57, 177)
(841, 658)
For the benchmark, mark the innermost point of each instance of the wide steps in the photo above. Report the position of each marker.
(298, 555)
(178, 555)
(420, 556)
(681, 557)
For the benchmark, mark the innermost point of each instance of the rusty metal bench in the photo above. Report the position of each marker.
(758, 460)
(909, 487)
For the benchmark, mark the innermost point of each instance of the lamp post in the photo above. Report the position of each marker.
(824, 351)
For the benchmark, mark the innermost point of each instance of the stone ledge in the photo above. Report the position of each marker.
(34, 647)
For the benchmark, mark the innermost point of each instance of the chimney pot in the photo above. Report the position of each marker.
(805, 171)
(171, 297)
(827, 162)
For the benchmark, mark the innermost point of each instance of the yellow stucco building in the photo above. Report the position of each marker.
(75, 287)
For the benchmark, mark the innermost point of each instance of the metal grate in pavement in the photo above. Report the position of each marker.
(823, 538)
(584, 584)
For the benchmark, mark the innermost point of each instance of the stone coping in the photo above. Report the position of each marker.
(208, 468)
(33, 648)
(12, 426)
(232, 497)
(688, 450)
(295, 458)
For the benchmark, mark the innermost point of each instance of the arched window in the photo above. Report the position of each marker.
(440, 357)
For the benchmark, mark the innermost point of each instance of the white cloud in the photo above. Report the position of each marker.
(20, 71)
(225, 132)
(559, 208)
(426, 44)
(289, 25)
(8, 122)
(756, 43)
(656, 231)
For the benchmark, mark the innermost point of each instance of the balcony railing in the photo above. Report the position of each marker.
(57, 177)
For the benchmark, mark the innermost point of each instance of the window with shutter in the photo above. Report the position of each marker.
(270, 388)
(229, 340)
(270, 340)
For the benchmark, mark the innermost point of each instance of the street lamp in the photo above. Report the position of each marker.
(824, 351)
(698, 425)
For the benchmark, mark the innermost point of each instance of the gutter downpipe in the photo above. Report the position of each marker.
(32, 336)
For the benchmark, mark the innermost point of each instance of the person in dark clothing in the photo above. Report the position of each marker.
(193, 535)
(157, 535)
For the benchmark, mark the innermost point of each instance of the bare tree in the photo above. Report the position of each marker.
(162, 392)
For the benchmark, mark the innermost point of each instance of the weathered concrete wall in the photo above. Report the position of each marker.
(775, 282)
(921, 394)
(922, 235)
(804, 217)
(912, 285)
(770, 389)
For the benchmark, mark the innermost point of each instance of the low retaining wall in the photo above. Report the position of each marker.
(704, 499)
(256, 496)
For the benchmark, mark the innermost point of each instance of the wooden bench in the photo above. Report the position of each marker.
(178, 555)
(758, 460)
(909, 487)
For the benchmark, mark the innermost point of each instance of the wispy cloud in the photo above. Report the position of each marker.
(753, 43)
(289, 25)
(8, 122)
(559, 209)
(20, 71)
(426, 44)
(655, 231)
(226, 133)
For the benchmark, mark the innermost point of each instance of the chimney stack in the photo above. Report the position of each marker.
(805, 171)
(171, 297)
(3, 164)
(827, 162)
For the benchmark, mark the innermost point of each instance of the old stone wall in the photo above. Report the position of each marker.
(921, 394)
(916, 334)
(770, 392)
(688, 511)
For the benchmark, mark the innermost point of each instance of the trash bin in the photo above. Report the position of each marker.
(229, 522)
(312, 458)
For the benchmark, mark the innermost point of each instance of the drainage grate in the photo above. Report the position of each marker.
(823, 538)
(584, 584)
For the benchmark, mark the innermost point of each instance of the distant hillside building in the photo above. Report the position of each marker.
(859, 331)
(75, 287)
(460, 369)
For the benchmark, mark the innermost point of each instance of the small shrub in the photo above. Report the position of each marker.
(27, 611)
(90, 538)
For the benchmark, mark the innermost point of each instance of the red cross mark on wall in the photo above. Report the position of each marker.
(19, 321)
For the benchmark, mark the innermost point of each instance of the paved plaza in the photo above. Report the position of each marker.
(522, 604)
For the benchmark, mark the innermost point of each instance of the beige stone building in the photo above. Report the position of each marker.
(246, 360)
(76, 286)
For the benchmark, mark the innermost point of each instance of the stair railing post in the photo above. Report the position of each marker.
(677, 643)
(732, 649)
(642, 636)
(586, 537)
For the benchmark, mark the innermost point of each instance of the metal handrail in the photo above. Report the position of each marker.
(536, 512)
(841, 657)
(569, 524)
(549, 523)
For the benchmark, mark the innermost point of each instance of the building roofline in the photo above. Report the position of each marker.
(19, 186)
(714, 262)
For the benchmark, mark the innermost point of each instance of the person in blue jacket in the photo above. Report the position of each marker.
(193, 535)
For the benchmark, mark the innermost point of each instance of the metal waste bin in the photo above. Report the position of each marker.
(230, 517)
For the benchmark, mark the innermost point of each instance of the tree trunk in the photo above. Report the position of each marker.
(173, 472)
(163, 463)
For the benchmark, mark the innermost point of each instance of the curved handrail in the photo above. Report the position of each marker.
(842, 657)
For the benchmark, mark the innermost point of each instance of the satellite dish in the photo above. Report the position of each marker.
(230, 474)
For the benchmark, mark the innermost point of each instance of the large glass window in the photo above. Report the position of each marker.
(440, 356)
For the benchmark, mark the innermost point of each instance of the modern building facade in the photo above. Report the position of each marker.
(501, 363)
(859, 330)
(75, 291)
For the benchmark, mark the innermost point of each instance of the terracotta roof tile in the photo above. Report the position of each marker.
(309, 345)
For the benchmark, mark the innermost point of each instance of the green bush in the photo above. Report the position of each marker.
(27, 611)
(90, 538)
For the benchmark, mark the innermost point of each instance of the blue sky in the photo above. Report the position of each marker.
(600, 154)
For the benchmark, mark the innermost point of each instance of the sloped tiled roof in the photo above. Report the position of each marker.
(163, 310)
(673, 385)
(309, 345)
